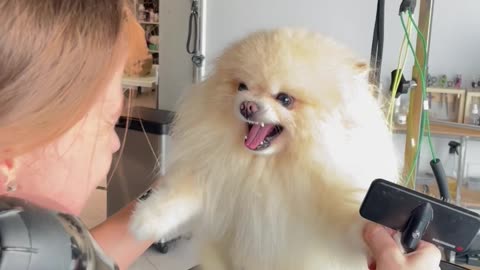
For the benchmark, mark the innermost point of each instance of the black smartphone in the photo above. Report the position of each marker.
(391, 205)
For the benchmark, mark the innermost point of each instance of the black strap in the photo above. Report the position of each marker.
(193, 27)
(377, 44)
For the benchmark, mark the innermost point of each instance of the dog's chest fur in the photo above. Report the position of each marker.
(264, 217)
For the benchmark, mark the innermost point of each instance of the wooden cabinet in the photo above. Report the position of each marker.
(446, 104)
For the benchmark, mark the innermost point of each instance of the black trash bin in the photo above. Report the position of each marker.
(147, 139)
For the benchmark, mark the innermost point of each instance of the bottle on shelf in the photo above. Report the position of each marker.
(451, 164)
(474, 115)
(141, 16)
(451, 167)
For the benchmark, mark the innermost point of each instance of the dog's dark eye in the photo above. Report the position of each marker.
(242, 87)
(285, 100)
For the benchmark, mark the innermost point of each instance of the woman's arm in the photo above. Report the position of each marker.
(115, 239)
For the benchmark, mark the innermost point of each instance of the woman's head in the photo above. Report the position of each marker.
(60, 71)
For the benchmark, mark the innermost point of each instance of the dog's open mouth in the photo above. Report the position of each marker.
(261, 135)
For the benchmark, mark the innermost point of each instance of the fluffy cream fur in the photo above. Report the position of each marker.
(294, 205)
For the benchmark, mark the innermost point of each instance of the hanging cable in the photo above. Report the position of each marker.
(425, 70)
(193, 28)
(407, 8)
(435, 163)
(422, 85)
(398, 75)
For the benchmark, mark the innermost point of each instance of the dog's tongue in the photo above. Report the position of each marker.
(257, 134)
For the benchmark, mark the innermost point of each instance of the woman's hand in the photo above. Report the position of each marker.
(387, 255)
(117, 242)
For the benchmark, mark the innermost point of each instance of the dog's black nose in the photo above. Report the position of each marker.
(248, 108)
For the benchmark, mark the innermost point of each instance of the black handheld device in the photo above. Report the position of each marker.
(420, 217)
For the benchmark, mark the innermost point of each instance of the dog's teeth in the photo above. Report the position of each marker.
(246, 137)
(262, 124)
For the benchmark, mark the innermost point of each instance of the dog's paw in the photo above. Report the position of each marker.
(160, 217)
(149, 224)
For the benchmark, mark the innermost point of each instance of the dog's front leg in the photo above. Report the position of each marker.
(167, 208)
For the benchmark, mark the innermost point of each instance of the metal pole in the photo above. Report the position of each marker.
(450, 256)
(157, 86)
(416, 99)
(199, 65)
(461, 169)
(460, 179)
(157, 71)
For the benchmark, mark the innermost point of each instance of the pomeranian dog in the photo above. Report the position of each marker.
(272, 156)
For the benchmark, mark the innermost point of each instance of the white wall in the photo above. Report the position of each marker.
(349, 21)
(455, 37)
(455, 43)
(454, 49)
(175, 69)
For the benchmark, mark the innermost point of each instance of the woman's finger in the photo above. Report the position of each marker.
(380, 241)
(430, 249)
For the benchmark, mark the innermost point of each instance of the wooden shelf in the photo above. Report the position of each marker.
(447, 129)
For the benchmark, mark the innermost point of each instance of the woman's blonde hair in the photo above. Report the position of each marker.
(55, 58)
